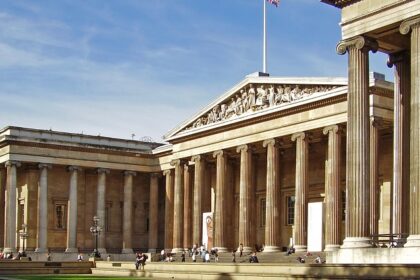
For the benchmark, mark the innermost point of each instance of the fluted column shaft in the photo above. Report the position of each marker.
(100, 208)
(245, 196)
(10, 209)
(272, 207)
(153, 212)
(199, 164)
(169, 209)
(413, 26)
(178, 206)
(42, 233)
(301, 189)
(332, 189)
(374, 175)
(187, 207)
(357, 215)
(401, 145)
(127, 246)
(219, 213)
(72, 211)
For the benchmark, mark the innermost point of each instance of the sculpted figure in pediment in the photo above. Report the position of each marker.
(238, 105)
(231, 108)
(213, 115)
(245, 103)
(295, 93)
(271, 96)
(251, 97)
(261, 101)
(223, 112)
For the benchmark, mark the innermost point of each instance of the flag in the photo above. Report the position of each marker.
(274, 2)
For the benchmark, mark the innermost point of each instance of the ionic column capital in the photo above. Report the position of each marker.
(397, 57)
(407, 25)
(102, 170)
(332, 128)
(218, 153)
(298, 136)
(167, 172)
(243, 148)
(358, 42)
(130, 173)
(177, 162)
(12, 163)
(74, 168)
(269, 142)
(44, 166)
(197, 158)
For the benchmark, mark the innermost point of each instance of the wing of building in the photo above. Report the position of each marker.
(315, 163)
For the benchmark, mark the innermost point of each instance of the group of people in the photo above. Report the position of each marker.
(141, 259)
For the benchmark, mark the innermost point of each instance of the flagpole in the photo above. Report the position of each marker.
(264, 38)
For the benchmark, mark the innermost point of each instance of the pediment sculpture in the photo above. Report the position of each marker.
(256, 97)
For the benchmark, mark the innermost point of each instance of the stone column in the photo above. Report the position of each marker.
(169, 210)
(219, 213)
(178, 206)
(374, 175)
(100, 208)
(72, 211)
(10, 209)
(127, 246)
(332, 189)
(153, 212)
(272, 206)
(199, 164)
(413, 25)
(401, 140)
(357, 179)
(245, 206)
(187, 207)
(301, 190)
(42, 233)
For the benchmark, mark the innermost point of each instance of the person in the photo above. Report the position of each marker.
(253, 258)
(203, 255)
(300, 259)
(241, 250)
(233, 256)
(318, 259)
(290, 251)
(183, 256)
(143, 259)
(216, 256)
(108, 258)
(193, 257)
(138, 260)
(80, 257)
(207, 256)
(48, 257)
(162, 255)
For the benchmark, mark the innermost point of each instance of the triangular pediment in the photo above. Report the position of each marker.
(253, 96)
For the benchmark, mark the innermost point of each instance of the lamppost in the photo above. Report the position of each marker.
(23, 235)
(96, 230)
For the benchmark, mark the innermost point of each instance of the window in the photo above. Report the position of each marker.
(60, 215)
(262, 212)
(290, 210)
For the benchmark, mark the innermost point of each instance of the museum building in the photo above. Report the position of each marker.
(321, 164)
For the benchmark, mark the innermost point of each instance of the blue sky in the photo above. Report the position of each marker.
(117, 67)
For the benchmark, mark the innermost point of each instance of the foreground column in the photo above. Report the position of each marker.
(332, 189)
(127, 247)
(169, 210)
(272, 232)
(413, 25)
(100, 208)
(374, 175)
(401, 141)
(72, 211)
(153, 212)
(357, 179)
(199, 164)
(10, 209)
(187, 207)
(42, 234)
(245, 207)
(178, 206)
(219, 213)
(301, 190)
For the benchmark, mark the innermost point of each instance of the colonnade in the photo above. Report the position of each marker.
(72, 208)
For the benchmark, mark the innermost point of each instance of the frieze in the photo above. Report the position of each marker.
(256, 97)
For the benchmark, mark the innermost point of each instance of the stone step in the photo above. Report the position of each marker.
(9, 267)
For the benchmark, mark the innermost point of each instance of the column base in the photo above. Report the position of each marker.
(41, 250)
(300, 248)
(9, 250)
(127, 251)
(331, 248)
(72, 250)
(356, 242)
(177, 250)
(151, 251)
(224, 249)
(271, 249)
(413, 241)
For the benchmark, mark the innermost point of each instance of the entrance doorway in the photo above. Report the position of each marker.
(315, 226)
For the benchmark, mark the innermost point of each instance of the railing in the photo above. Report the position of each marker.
(388, 240)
